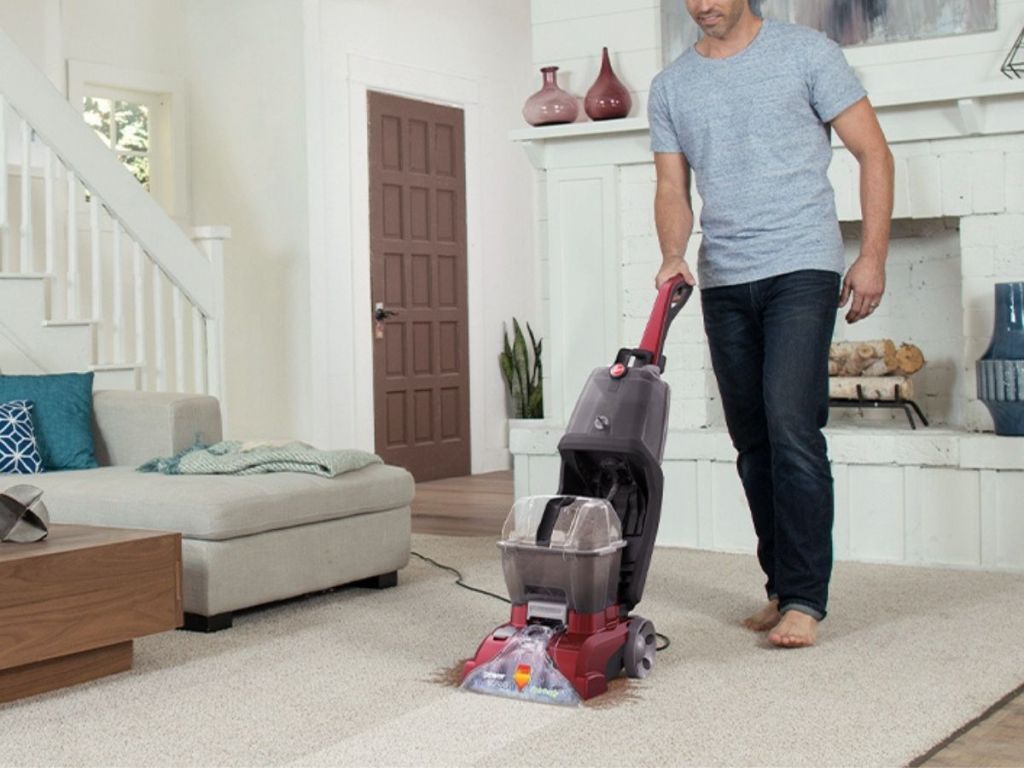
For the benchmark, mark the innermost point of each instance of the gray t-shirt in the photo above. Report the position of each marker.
(752, 127)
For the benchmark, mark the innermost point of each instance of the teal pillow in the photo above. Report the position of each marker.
(62, 416)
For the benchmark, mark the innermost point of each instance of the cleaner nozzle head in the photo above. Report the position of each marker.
(523, 670)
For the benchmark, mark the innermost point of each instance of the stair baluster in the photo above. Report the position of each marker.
(117, 319)
(25, 256)
(139, 311)
(73, 271)
(6, 263)
(95, 271)
(179, 338)
(160, 353)
(49, 226)
(198, 345)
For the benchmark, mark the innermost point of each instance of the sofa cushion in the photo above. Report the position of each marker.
(218, 507)
(133, 427)
(62, 416)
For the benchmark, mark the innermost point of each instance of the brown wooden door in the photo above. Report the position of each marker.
(418, 272)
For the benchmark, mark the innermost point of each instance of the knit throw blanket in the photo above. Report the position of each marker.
(235, 458)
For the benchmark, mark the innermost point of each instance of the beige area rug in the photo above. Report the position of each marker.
(359, 678)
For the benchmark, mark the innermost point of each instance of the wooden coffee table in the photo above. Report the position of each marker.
(71, 605)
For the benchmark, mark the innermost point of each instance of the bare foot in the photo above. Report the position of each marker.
(796, 630)
(764, 619)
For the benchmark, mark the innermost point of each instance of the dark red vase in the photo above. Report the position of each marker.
(551, 105)
(607, 98)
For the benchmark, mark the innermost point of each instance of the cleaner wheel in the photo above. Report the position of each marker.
(641, 645)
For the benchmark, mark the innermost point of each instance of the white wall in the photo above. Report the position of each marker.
(469, 53)
(36, 28)
(147, 35)
(247, 138)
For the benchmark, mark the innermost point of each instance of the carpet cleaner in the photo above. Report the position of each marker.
(575, 563)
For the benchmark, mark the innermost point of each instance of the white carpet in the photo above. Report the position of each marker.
(358, 677)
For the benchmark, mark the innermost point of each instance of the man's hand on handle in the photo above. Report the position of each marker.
(865, 283)
(670, 269)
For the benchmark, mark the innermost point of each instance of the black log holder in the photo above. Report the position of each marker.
(909, 407)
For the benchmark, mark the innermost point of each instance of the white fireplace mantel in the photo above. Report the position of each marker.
(983, 109)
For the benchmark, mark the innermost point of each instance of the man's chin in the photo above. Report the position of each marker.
(717, 29)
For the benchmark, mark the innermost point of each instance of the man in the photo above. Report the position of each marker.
(748, 109)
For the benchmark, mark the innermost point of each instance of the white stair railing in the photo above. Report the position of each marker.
(159, 310)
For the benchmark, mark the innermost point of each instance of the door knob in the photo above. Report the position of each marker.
(379, 313)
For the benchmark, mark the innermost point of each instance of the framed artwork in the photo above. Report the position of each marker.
(849, 22)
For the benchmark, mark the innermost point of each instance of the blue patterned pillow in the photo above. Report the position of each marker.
(19, 454)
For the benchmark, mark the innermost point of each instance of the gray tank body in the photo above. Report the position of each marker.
(612, 449)
(633, 409)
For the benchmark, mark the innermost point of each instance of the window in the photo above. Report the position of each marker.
(124, 127)
(141, 118)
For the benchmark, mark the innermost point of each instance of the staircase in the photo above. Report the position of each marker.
(94, 275)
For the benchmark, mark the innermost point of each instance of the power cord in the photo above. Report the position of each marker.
(459, 581)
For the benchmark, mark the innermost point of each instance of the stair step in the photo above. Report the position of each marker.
(116, 376)
(24, 275)
(68, 323)
(115, 367)
(35, 342)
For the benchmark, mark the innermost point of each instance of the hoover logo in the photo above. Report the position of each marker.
(522, 676)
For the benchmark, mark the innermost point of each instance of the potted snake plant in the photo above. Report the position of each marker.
(523, 373)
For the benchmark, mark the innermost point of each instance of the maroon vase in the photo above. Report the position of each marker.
(607, 98)
(551, 105)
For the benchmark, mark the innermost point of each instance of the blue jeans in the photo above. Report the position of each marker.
(769, 343)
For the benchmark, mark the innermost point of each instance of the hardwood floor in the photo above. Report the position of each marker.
(463, 506)
(477, 506)
(997, 740)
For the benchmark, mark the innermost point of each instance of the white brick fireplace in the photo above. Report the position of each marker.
(948, 494)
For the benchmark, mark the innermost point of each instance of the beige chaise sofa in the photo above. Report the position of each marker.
(245, 540)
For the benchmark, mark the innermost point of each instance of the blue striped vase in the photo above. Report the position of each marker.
(1001, 368)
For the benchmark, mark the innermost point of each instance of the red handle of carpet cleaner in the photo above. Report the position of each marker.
(672, 297)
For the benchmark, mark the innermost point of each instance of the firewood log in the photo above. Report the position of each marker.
(872, 387)
(909, 359)
(873, 358)
(853, 357)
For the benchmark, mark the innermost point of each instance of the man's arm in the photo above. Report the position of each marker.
(673, 215)
(859, 130)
